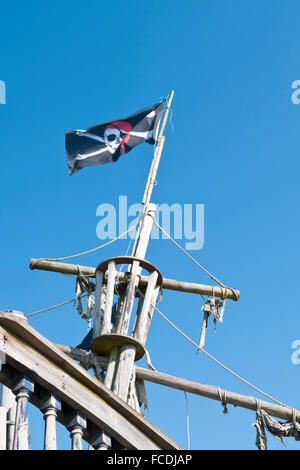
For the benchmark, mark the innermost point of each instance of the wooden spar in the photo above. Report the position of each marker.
(168, 284)
(207, 391)
(216, 393)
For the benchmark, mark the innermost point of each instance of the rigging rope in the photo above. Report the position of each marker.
(213, 358)
(155, 308)
(188, 339)
(80, 254)
(89, 251)
(193, 259)
(54, 306)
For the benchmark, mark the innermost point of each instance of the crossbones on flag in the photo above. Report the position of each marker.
(106, 142)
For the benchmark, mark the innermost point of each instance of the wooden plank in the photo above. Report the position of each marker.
(97, 305)
(106, 327)
(88, 385)
(129, 299)
(150, 314)
(141, 329)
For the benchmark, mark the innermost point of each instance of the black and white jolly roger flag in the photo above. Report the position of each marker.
(106, 142)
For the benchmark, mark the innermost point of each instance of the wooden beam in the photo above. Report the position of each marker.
(208, 391)
(215, 393)
(169, 284)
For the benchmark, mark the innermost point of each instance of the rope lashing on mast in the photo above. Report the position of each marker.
(84, 284)
(191, 258)
(215, 307)
(276, 428)
(223, 400)
(168, 107)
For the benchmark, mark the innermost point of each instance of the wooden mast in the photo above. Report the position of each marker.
(121, 362)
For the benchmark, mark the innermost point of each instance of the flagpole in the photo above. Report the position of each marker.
(122, 359)
(151, 179)
(157, 154)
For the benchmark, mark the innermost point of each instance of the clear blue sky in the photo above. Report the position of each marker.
(234, 148)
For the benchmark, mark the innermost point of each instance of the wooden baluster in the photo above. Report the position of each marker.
(101, 441)
(8, 415)
(3, 419)
(22, 388)
(3, 416)
(50, 406)
(76, 423)
(11, 422)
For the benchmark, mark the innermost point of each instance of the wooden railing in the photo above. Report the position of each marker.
(34, 370)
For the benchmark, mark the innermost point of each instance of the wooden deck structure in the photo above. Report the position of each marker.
(44, 371)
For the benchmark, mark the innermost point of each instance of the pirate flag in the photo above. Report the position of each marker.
(106, 142)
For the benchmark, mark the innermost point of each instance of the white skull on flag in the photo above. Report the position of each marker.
(112, 135)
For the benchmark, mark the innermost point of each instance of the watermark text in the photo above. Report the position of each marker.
(2, 92)
(181, 221)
